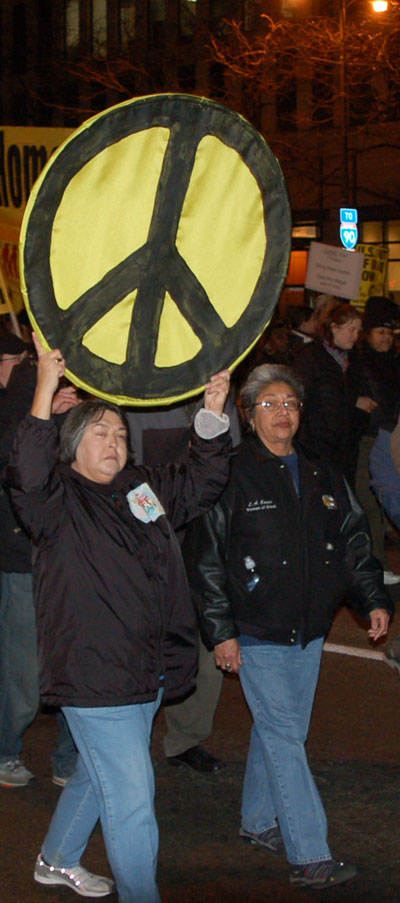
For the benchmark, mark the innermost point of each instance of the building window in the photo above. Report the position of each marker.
(157, 10)
(45, 31)
(322, 94)
(187, 18)
(99, 27)
(307, 231)
(157, 20)
(19, 38)
(286, 105)
(393, 241)
(217, 80)
(71, 26)
(187, 78)
(127, 21)
(222, 9)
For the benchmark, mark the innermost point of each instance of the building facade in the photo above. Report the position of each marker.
(62, 60)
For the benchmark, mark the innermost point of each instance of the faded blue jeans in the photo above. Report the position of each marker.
(113, 781)
(279, 684)
(19, 683)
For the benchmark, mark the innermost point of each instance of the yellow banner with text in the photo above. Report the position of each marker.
(24, 152)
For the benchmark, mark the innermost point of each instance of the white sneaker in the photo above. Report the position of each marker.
(78, 879)
(389, 578)
(14, 774)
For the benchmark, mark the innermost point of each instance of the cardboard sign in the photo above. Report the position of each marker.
(373, 274)
(334, 271)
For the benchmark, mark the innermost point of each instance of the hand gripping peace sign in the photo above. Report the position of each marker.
(154, 247)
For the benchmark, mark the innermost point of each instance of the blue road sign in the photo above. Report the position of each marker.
(348, 236)
(348, 215)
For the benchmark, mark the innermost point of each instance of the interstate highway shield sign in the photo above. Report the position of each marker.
(154, 247)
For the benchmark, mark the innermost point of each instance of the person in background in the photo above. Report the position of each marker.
(303, 323)
(384, 466)
(268, 565)
(332, 420)
(374, 372)
(160, 435)
(19, 686)
(273, 345)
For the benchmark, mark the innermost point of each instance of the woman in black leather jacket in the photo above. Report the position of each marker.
(267, 567)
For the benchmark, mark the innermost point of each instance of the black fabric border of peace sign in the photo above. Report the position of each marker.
(189, 119)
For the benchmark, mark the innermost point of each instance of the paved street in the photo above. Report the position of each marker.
(354, 747)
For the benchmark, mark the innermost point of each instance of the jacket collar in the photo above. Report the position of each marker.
(261, 451)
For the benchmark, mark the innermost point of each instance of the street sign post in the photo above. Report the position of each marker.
(348, 227)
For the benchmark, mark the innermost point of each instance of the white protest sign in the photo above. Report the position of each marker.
(334, 271)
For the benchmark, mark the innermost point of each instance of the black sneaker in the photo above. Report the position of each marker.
(198, 759)
(270, 839)
(321, 874)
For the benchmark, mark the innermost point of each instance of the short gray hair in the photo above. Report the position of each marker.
(77, 421)
(262, 377)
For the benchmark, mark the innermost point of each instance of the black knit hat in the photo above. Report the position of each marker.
(12, 344)
(380, 311)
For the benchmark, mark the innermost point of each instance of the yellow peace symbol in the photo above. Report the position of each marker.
(154, 247)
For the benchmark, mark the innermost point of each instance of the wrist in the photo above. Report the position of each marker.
(41, 405)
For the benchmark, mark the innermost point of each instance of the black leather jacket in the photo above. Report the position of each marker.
(308, 551)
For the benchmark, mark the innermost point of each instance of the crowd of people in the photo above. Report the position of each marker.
(113, 524)
(349, 365)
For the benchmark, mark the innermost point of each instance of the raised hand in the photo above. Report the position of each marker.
(51, 367)
(65, 399)
(217, 391)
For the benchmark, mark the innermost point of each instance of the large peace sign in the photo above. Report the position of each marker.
(154, 247)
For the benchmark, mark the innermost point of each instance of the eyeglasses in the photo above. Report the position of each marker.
(290, 405)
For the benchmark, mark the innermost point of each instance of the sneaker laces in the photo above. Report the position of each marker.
(12, 765)
(77, 875)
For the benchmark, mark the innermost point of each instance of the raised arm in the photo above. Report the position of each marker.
(51, 367)
(216, 392)
(192, 485)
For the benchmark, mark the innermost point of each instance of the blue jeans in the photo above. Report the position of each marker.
(279, 684)
(19, 691)
(19, 682)
(64, 754)
(113, 781)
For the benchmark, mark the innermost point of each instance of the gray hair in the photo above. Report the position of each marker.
(262, 377)
(77, 421)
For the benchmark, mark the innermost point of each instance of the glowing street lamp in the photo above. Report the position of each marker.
(380, 6)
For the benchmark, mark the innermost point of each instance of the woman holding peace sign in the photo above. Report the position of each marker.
(115, 623)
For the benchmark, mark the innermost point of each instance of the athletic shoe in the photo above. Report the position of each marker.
(196, 758)
(14, 774)
(392, 654)
(270, 839)
(321, 874)
(77, 879)
(389, 578)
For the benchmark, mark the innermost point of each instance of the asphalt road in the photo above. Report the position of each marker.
(354, 749)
